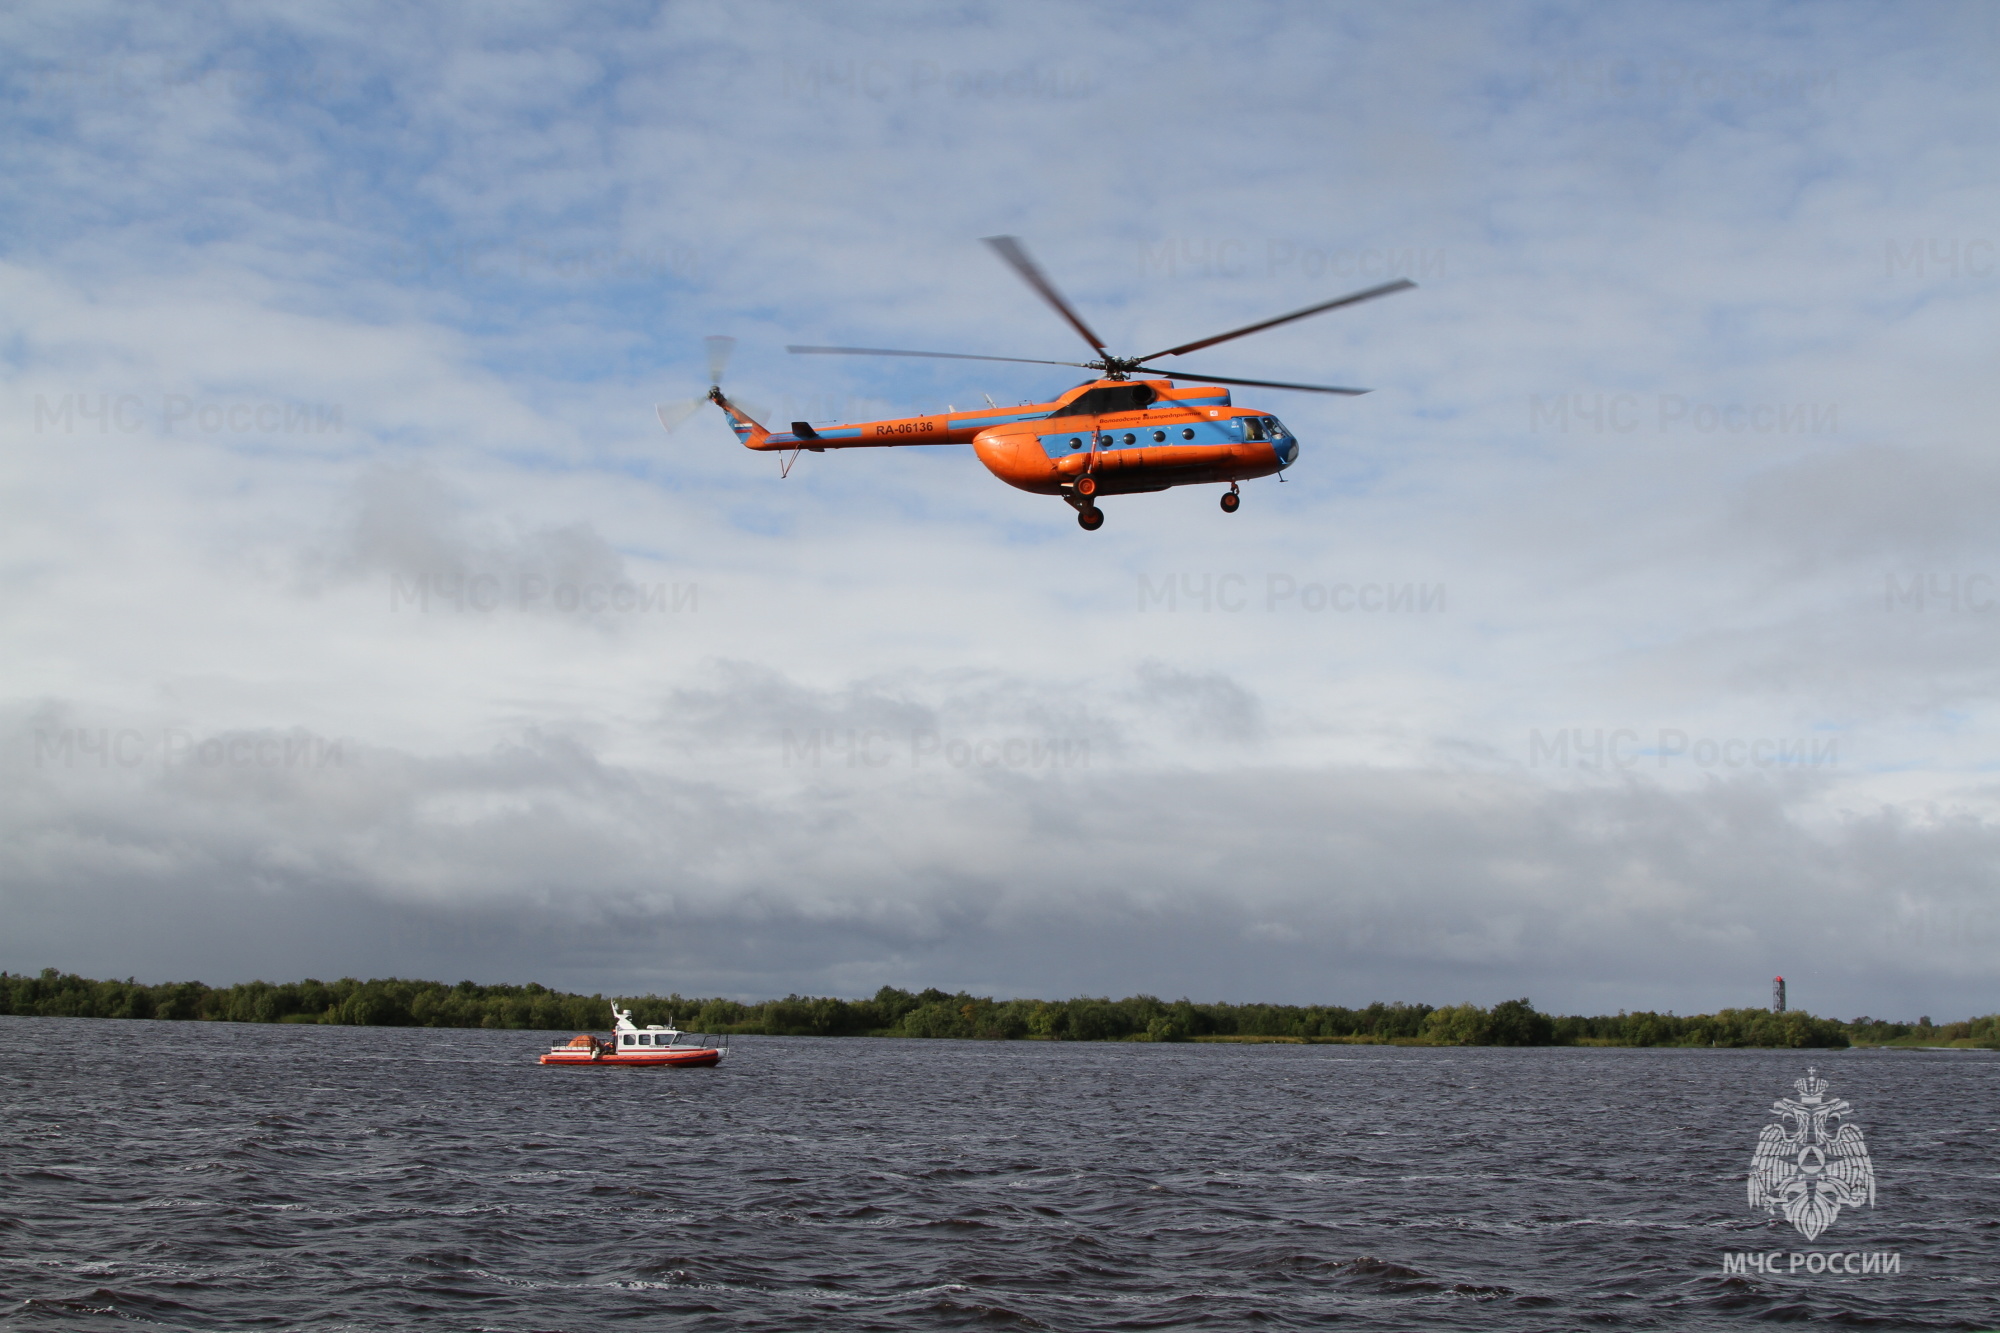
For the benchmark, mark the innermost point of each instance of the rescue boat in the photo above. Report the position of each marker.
(633, 1047)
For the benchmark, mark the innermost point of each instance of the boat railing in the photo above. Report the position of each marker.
(701, 1041)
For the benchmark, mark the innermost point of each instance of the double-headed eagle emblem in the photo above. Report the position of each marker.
(1808, 1167)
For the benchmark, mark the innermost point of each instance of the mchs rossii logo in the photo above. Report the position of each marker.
(1807, 1167)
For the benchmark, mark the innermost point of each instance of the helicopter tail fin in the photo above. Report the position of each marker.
(753, 435)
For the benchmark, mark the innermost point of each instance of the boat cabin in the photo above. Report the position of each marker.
(626, 1037)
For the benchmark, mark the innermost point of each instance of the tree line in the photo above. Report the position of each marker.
(394, 1002)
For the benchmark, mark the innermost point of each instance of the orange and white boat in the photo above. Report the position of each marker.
(632, 1047)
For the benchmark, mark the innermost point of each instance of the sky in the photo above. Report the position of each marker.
(1633, 642)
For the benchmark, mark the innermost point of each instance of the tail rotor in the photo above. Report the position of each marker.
(720, 349)
(674, 415)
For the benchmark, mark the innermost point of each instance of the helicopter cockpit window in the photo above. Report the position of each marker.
(1253, 429)
(1275, 428)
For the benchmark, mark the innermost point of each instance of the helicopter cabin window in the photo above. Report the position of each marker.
(1187, 433)
(1130, 438)
(1108, 398)
(1253, 429)
(1076, 442)
(1159, 437)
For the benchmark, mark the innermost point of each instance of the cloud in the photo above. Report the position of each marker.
(403, 524)
(854, 866)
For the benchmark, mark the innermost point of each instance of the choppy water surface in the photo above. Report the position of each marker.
(216, 1176)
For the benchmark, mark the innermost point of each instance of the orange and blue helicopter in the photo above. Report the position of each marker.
(1114, 435)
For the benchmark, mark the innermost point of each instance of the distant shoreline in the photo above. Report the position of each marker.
(1586, 1044)
(395, 1002)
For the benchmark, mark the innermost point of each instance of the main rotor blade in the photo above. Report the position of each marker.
(719, 348)
(1352, 298)
(1255, 384)
(1010, 250)
(942, 356)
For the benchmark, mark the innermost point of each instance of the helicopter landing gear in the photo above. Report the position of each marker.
(1230, 499)
(1077, 495)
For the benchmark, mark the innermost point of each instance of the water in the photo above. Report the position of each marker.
(213, 1176)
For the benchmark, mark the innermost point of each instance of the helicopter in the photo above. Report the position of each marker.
(1129, 431)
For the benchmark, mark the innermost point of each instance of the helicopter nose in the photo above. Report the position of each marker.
(1287, 451)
